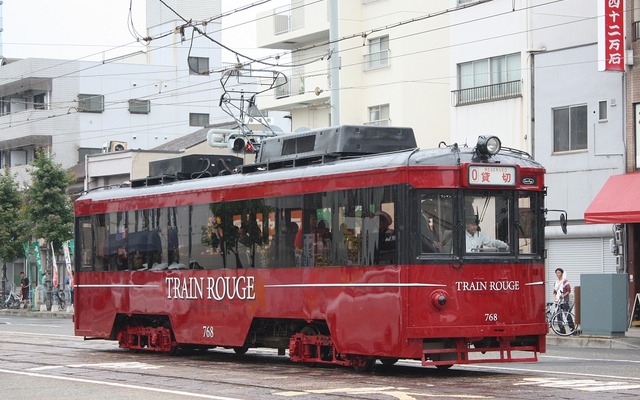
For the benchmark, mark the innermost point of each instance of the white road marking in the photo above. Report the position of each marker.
(540, 371)
(397, 393)
(120, 365)
(121, 385)
(587, 385)
(599, 360)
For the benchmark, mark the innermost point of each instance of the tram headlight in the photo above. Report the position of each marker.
(488, 145)
(439, 299)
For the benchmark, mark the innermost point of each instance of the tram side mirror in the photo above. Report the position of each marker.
(563, 218)
(563, 223)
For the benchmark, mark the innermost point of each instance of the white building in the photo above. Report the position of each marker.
(456, 69)
(385, 77)
(73, 107)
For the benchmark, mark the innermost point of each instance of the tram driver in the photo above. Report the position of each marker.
(476, 239)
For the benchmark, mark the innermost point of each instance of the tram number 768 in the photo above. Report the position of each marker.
(490, 317)
(207, 331)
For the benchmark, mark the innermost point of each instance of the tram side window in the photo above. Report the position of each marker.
(313, 239)
(487, 217)
(231, 234)
(100, 237)
(112, 242)
(528, 223)
(178, 237)
(365, 226)
(203, 254)
(342, 228)
(146, 240)
(86, 243)
(436, 222)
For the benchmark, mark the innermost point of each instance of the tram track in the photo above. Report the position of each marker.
(220, 368)
(221, 374)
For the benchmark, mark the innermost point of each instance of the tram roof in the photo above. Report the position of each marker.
(447, 156)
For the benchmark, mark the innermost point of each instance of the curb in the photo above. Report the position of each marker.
(595, 342)
(38, 314)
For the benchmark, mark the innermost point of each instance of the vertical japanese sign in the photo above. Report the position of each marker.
(611, 45)
(55, 266)
(27, 267)
(67, 261)
(36, 254)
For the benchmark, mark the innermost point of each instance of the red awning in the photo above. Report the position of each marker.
(618, 201)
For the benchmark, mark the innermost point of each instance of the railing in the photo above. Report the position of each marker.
(484, 94)
(294, 86)
(289, 18)
(379, 122)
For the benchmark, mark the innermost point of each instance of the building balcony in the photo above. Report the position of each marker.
(487, 93)
(292, 26)
(299, 87)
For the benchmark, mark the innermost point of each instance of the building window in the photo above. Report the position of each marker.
(139, 106)
(5, 106)
(378, 56)
(198, 66)
(379, 115)
(602, 111)
(489, 79)
(196, 119)
(91, 103)
(570, 128)
(40, 101)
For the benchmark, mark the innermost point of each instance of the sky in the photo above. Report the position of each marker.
(92, 29)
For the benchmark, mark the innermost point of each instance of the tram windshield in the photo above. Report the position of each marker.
(487, 222)
(505, 223)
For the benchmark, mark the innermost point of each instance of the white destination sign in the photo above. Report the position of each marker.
(494, 175)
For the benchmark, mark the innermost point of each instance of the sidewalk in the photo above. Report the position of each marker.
(630, 340)
(21, 312)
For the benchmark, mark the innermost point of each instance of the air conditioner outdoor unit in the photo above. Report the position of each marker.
(117, 146)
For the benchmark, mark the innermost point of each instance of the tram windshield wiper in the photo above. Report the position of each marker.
(450, 235)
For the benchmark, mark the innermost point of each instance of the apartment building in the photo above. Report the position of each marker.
(524, 70)
(140, 101)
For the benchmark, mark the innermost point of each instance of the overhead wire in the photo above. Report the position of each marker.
(360, 35)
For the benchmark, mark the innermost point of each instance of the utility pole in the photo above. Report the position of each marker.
(334, 72)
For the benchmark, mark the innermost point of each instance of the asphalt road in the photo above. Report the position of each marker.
(39, 357)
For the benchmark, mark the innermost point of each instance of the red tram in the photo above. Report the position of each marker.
(344, 245)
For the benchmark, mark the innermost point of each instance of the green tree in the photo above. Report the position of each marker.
(49, 209)
(13, 230)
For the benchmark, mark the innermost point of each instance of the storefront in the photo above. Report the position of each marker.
(618, 202)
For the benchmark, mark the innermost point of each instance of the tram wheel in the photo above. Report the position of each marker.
(367, 367)
(444, 367)
(240, 350)
(388, 361)
(310, 330)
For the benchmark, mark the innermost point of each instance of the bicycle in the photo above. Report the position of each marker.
(59, 295)
(562, 322)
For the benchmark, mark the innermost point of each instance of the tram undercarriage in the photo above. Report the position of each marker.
(312, 343)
